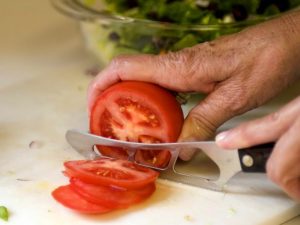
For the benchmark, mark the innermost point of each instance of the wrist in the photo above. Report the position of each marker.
(290, 32)
(283, 34)
(291, 25)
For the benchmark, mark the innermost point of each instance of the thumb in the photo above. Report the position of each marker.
(203, 120)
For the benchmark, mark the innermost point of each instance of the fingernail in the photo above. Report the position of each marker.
(221, 137)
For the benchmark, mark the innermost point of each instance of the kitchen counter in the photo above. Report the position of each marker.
(43, 83)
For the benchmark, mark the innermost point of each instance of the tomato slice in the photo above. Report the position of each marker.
(70, 199)
(138, 112)
(111, 172)
(111, 197)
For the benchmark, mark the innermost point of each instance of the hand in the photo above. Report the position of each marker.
(238, 72)
(283, 166)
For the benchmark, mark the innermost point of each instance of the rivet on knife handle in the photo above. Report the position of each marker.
(253, 159)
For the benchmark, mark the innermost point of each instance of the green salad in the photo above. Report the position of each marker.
(198, 11)
(142, 36)
(4, 214)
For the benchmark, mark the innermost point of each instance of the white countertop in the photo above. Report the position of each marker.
(41, 51)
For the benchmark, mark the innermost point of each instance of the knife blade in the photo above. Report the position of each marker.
(229, 162)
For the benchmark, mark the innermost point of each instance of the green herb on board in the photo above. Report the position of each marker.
(4, 214)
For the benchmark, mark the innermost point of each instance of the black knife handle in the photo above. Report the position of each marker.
(253, 159)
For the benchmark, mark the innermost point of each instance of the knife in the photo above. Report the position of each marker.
(229, 162)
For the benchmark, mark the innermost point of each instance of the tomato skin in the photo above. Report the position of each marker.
(145, 99)
(70, 199)
(102, 185)
(111, 197)
(111, 172)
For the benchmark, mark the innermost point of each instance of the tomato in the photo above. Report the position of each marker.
(102, 185)
(69, 198)
(137, 112)
(111, 172)
(111, 197)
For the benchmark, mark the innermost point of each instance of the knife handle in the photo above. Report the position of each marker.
(253, 159)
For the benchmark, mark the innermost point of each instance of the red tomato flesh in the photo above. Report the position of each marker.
(111, 172)
(70, 199)
(137, 112)
(111, 197)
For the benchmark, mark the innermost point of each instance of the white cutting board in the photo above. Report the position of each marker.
(41, 109)
(43, 93)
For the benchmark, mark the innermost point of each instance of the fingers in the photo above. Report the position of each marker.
(139, 67)
(105, 79)
(194, 129)
(262, 130)
(204, 119)
(283, 167)
(187, 70)
(121, 68)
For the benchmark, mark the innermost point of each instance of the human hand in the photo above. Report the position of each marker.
(238, 72)
(283, 166)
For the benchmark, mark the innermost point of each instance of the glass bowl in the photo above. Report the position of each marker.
(107, 35)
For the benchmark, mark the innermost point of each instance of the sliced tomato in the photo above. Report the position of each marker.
(111, 197)
(137, 112)
(70, 199)
(111, 172)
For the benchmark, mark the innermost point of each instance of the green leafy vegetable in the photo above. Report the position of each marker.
(251, 6)
(119, 38)
(4, 214)
(182, 12)
(187, 41)
(191, 12)
(271, 10)
(294, 3)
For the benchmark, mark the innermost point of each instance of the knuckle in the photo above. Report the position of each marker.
(234, 99)
(238, 105)
(276, 174)
(92, 85)
(203, 128)
(271, 172)
(175, 60)
(245, 132)
(182, 63)
(119, 61)
(274, 117)
(124, 65)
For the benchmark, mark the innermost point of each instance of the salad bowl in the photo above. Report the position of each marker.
(114, 27)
